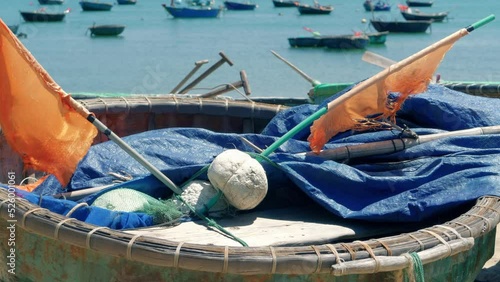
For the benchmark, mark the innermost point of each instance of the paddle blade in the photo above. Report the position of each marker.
(377, 59)
(35, 115)
(373, 101)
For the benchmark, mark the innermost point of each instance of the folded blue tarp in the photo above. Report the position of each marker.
(408, 186)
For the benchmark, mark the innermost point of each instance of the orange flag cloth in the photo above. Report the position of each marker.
(370, 97)
(36, 116)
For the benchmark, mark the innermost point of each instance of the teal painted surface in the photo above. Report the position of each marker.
(42, 259)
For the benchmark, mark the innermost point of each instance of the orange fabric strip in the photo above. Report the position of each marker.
(35, 115)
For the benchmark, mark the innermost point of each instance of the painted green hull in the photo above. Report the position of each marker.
(41, 259)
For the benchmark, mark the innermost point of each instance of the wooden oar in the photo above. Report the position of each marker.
(371, 81)
(197, 65)
(377, 59)
(395, 145)
(314, 82)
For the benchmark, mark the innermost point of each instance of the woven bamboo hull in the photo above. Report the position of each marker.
(46, 252)
(53, 247)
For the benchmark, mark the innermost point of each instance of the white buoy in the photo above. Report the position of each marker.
(241, 178)
(199, 194)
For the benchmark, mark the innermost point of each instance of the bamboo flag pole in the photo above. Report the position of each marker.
(129, 150)
(395, 145)
(373, 80)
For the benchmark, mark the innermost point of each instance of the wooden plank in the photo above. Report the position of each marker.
(280, 227)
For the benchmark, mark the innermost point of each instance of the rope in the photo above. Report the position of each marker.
(5, 201)
(372, 254)
(338, 260)
(177, 254)
(386, 247)
(440, 239)
(71, 211)
(487, 221)
(422, 246)
(58, 226)
(211, 222)
(488, 208)
(226, 259)
(351, 251)
(130, 244)
(450, 229)
(23, 220)
(320, 260)
(26, 179)
(464, 225)
(273, 255)
(417, 267)
(89, 235)
(211, 202)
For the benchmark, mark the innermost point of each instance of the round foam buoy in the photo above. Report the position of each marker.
(241, 178)
(363, 20)
(199, 194)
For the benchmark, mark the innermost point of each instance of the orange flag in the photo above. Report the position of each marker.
(370, 97)
(36, 115)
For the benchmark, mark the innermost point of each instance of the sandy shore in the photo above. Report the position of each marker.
(491, 270)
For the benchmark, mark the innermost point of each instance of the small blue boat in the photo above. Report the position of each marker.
(50, 2)
(231, 5)
(376, 7)
(193, 12)
(96, 6)
(285, 3)
(126, 2)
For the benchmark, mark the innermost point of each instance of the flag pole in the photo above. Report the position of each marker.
(395, 145)
(365, 84)
(129, 150)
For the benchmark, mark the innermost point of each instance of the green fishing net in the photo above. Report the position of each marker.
(129, 200)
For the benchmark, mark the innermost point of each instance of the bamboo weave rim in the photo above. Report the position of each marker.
(478, 221)
(182, 105)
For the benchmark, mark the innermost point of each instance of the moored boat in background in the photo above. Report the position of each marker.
(106, 30)
(315, 9)
(306, 41)
(400, 26)
(126, 2)
(245, 6)
(417, 3)
(349, 41)
(416, 15)
(51, 2)
(193, 12)
(41, 15)
(285, 3)
(377, 7)
(377, 37)
(95, 6)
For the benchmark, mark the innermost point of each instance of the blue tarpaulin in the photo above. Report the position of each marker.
(408, 186)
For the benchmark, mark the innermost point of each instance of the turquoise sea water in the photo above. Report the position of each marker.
(156, 51)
